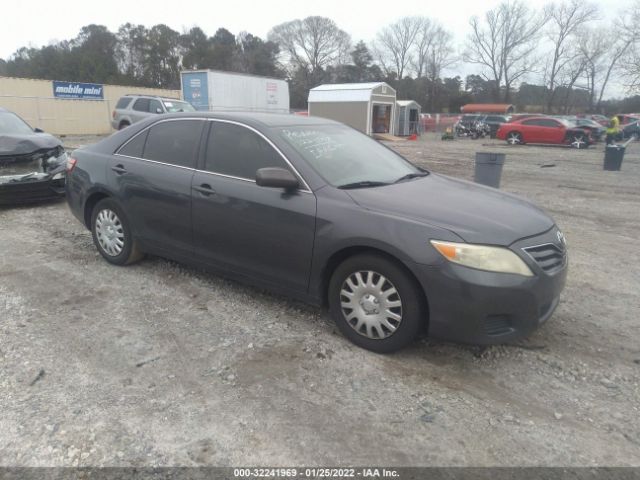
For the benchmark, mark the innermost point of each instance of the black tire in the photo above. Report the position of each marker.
(130, 252)
(412, 310)
(123, 125)
(514, 138)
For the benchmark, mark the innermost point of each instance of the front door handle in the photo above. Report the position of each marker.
(204, 189)
(119, 169)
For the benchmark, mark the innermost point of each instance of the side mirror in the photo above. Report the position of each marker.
(38, 130)
(276, 178)
(158, 110)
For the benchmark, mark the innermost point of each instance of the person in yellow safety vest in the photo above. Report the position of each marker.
(612, 130)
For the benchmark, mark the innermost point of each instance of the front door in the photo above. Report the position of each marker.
(262, 233)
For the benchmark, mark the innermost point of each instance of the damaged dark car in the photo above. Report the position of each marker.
(32, 163)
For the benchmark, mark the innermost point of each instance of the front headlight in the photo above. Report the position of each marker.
(483, 257)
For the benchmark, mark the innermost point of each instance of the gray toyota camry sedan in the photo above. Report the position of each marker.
(318, 211)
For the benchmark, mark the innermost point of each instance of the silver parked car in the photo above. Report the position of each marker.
(133, 108)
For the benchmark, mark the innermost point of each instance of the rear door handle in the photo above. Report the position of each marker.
(205, 189)
(119, 169)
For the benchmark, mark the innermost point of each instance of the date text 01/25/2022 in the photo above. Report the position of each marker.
(337, 473)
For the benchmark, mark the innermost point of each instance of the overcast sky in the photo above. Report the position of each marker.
(41, 22)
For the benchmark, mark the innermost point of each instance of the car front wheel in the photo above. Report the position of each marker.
(514, 138)
(112, 235)
(579, 141)
(375, 303)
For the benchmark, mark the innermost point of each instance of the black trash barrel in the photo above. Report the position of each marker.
(613, 155)
(489, 168)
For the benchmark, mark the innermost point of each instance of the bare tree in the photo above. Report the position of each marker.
(593, 45)
(423, 42)
(627, 47)
(312, 44)
(503, 44)
(573, 71)
(395, 43)
(440, 55)
(565, 20)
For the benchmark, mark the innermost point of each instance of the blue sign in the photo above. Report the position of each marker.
(195, 89)
(86, 91)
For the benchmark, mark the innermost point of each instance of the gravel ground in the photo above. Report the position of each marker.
(159, 364)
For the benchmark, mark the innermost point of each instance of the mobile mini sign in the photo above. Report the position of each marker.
(85, 91)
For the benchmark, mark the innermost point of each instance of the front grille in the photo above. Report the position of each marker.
(549, 257)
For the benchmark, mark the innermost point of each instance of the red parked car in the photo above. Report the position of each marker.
(548, 130)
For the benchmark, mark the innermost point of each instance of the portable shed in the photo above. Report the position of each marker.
(368, 107)
(408, 114)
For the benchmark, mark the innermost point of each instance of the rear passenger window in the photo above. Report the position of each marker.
(174, 142)
(141, 105)
(135, 146)
(239, 152)
(123, 102)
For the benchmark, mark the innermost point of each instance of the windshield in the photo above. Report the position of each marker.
(11, 124)
(343, 156)
(174, 106)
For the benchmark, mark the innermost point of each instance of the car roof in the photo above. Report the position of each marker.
(257, 119)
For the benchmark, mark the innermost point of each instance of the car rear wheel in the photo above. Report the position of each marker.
(579, 141)
(514, 138)
(112, 235)
(123, 125)
(375, 303)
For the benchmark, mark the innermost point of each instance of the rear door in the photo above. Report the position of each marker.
(152, 177)
(258, 232)
(140, 109)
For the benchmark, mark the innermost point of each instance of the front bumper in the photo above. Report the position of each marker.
(484, 308)
(49, 187)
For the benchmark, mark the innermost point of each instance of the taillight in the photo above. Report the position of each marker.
(71, 164)
(113, 115)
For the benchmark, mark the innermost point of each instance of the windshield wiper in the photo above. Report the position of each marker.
(362, 184)
(409, 176)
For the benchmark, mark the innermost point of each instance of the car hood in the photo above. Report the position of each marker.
(476, 213)
(25, 144)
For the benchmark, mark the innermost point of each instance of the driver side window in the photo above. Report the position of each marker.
(236, 151)
(155, 106)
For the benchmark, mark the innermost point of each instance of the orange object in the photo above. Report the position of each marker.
(487, 108)
(448, 251)
(413, 137)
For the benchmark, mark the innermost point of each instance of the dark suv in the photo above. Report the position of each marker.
(318, 211)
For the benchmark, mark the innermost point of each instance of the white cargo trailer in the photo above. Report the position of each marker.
(214, 90)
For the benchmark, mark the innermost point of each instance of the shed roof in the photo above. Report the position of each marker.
(406, 103)
(345, 92)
